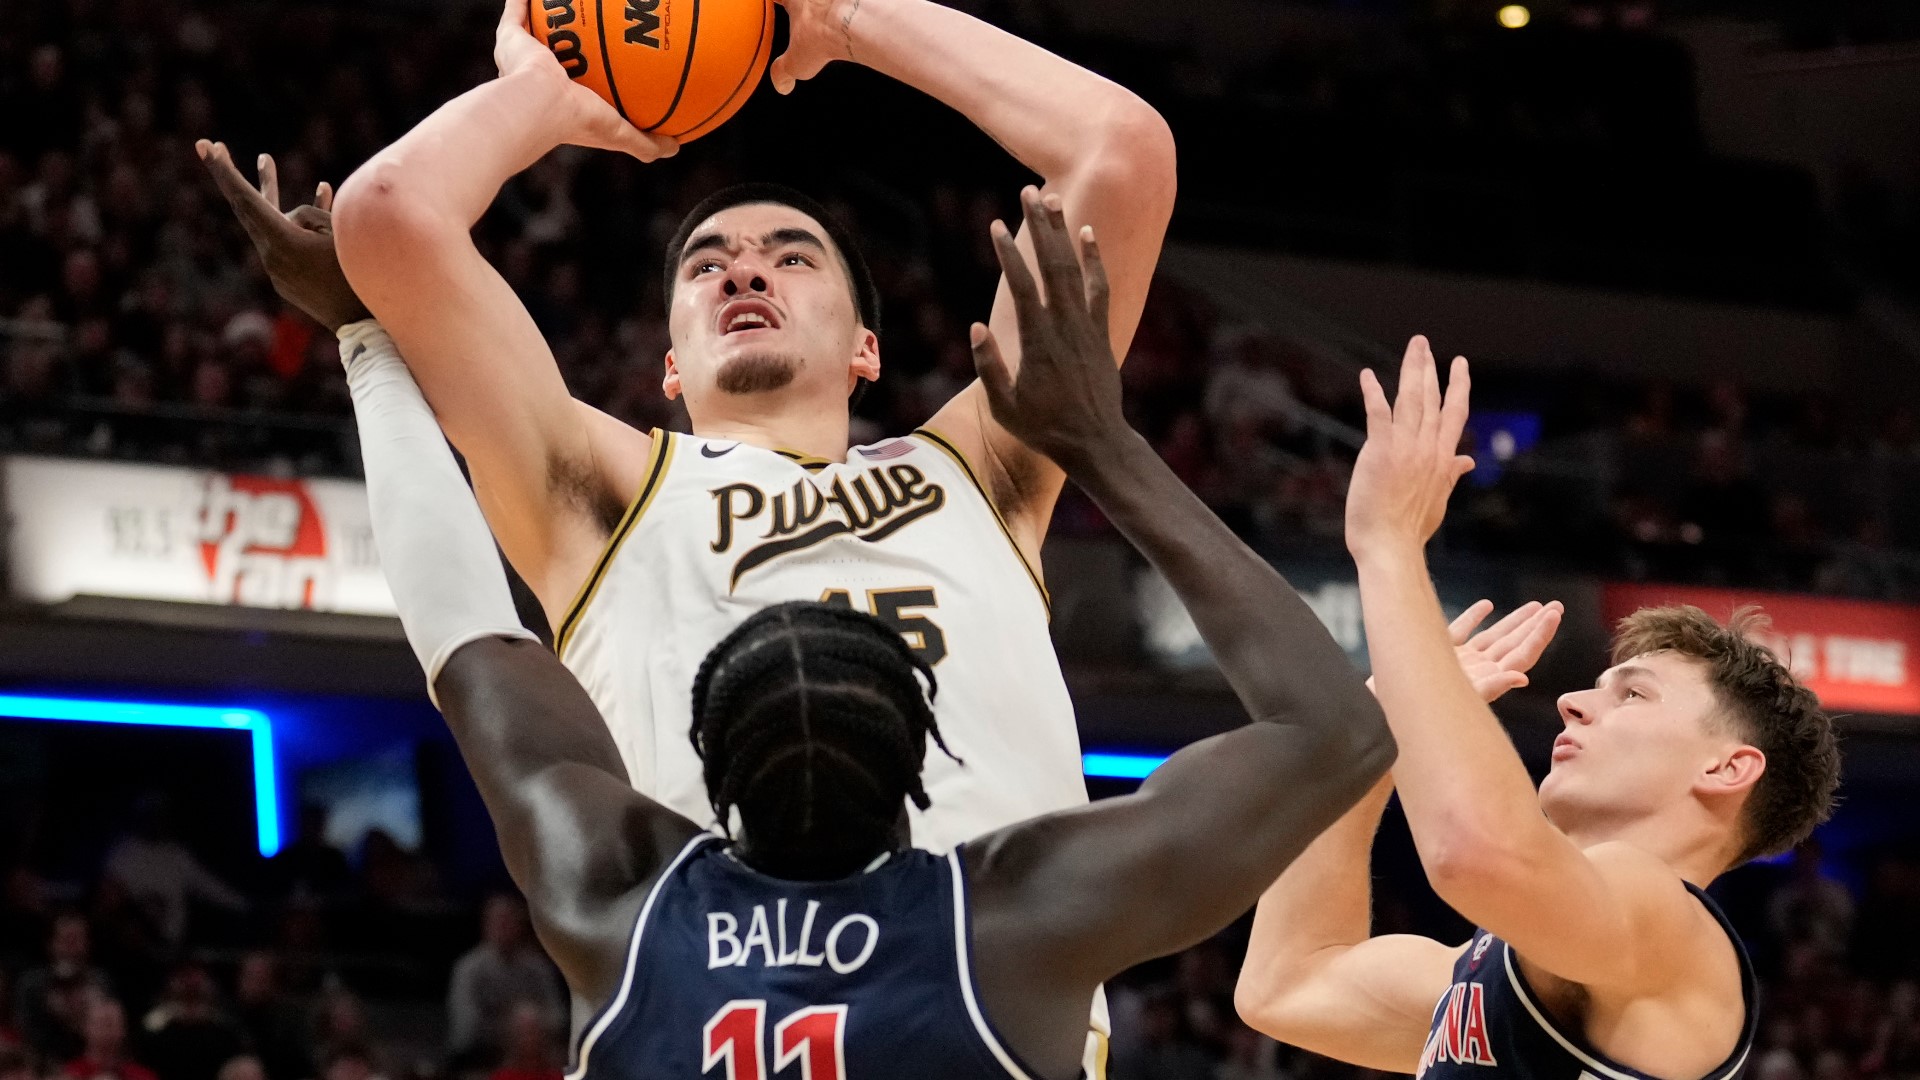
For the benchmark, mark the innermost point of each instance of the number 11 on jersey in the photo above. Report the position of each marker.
(814, 1036)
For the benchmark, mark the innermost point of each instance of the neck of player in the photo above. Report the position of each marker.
(776, 422)
(1688, 838)
(792, 864)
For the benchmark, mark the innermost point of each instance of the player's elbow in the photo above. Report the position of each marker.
(1356, 742)
(1374, 750)
(1135, 157)
(1468, 858)
(1253, 999)
(1271, 999)
(1259, 1000)
(380, 213)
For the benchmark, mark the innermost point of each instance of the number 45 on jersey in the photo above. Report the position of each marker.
(891, 606)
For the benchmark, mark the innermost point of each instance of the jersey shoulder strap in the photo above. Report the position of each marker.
(583, 1054)
(969, 987)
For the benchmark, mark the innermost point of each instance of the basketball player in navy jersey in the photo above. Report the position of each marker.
(816, 942)
(1598, 953)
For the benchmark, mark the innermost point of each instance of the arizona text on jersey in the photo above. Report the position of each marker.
(1491, 1025)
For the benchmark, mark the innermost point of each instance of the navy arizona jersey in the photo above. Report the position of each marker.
(735, 975)
(1490, 1025)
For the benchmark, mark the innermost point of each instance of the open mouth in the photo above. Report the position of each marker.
(746, 316)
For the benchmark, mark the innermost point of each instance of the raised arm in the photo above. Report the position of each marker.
(1219, 821)
(1104, 151)
(549, 472)
(1314, 976)
(579, 842)
(1609, 917)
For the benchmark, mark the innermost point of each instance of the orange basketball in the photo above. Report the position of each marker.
(672, 67)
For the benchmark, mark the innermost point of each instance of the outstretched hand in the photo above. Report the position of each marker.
(1410, 463)
(295, 247)
(1498, 658)
(1065, 398)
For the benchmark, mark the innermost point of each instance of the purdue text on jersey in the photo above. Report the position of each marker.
(872, 506)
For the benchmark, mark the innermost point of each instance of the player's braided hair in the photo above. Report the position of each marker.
(811, 721)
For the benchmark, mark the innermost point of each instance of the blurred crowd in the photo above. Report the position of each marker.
(136, 974)
(153, 967)
(135, 322)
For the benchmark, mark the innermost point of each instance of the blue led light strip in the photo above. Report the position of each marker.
(1120, 766)
(266, 786)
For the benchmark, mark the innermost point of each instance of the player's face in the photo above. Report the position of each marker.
(1636, 743)
(762, 305)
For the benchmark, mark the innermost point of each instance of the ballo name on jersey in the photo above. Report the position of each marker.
(846, 946)
(1461, 1035)
(872, 506)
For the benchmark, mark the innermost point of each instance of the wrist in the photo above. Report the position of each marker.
(352, 333)
(1386, 552)
(1088, 457)
(535, 104)
(868, 28)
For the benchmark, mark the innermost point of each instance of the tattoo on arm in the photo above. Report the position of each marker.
(846, 28)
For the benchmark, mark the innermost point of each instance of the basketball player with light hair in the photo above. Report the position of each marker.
(1598, 954)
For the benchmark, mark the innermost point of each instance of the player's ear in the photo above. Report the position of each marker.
(866, 358)
(670, 383)
(1734, 773)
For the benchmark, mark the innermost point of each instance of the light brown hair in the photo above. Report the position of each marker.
(1762, 704)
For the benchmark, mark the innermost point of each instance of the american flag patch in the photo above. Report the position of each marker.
(892, 448)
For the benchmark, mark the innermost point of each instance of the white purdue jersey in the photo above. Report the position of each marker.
(902, 530)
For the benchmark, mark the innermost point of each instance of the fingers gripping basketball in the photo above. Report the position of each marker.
(671, 67)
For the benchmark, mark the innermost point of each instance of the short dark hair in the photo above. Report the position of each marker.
(811, 720)
(866, 298)
(1764, 705)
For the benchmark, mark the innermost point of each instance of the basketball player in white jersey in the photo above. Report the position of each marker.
(646, 548)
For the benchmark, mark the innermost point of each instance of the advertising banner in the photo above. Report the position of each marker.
(1854, 653)
(159, 533)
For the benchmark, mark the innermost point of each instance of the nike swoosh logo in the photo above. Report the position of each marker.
(708, 451)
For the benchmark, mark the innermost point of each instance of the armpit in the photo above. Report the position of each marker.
(1016, 476)
(577, 485)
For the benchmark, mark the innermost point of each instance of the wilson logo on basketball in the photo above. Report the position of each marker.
(565, 43)
(642, 23)
(262, 543)
(678, 71)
